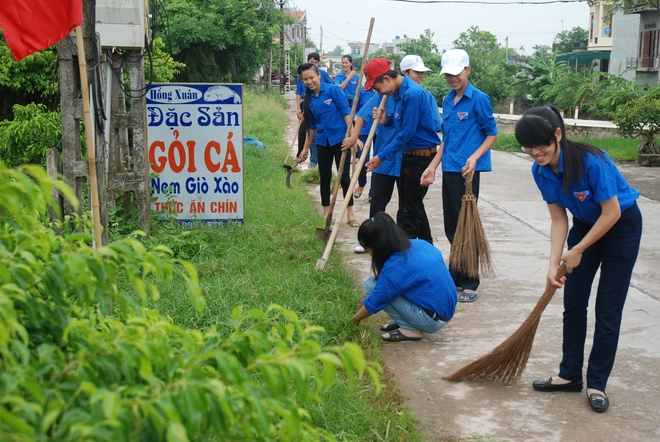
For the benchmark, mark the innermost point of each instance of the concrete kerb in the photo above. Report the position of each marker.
(517, 224)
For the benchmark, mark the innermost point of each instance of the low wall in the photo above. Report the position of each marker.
(506, 126)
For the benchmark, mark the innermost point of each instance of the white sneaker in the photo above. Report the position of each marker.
(359, 249)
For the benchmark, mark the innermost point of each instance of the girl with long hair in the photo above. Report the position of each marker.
(329, 116)
(410, 283)
(606, 233)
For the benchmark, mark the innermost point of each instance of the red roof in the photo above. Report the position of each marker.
(298, 15)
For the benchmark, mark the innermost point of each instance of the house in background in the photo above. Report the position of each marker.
(635, 49)
(596, 51)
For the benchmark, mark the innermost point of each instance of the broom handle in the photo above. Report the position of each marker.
(468, 185)
(342, 162)
(320, 264)
(549, 290)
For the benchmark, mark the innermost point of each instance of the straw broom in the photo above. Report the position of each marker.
(507, 361)
(470, 245)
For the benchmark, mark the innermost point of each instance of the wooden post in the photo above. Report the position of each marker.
(89, 137)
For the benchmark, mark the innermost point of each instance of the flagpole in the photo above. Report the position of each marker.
(89, 137)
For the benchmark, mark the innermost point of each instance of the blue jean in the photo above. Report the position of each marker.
(615, 253)
(405, 313)
(313, 152)
(362, 178)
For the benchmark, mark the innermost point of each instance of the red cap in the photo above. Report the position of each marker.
(374, 69)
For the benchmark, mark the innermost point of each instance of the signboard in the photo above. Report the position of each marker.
(195, 134)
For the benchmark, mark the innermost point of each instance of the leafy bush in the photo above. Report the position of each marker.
(82, 360)
(26, 138)
(640, 119)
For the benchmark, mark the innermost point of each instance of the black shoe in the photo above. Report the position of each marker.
(599, 402)
(547, 385)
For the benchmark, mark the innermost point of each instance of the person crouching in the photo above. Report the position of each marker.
(411, 282)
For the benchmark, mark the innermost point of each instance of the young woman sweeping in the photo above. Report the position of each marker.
(410, 283)
(329, 116)
(606, 232)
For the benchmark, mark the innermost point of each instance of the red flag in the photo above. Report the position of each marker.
(32, 25)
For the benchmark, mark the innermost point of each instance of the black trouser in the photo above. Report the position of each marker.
(382, 187)
(615, 253)
(415, 222)
(453, 189)
(326, 154)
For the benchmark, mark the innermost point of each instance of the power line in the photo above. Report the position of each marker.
(545, 2)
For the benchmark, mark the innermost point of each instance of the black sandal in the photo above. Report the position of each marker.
(389, 327)
(397, 336)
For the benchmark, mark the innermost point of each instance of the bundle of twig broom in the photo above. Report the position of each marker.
(469, 248)
(507, 361)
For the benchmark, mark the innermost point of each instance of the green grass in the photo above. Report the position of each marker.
(271, 259)
(619, 149)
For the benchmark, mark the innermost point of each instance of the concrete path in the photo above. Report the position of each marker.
(517, 225)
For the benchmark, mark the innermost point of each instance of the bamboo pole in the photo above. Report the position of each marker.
(320, 264)
(89, 137)
(342, 162)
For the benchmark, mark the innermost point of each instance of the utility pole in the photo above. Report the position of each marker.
(321, 43)
(507, 49)
(282, 77)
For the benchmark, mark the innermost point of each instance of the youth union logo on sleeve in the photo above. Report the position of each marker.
(581, 195)
(462, 115)
(328, 101)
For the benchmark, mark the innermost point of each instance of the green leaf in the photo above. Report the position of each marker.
(176, 432)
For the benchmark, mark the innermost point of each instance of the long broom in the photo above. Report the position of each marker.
(507, 361)
(470, 246)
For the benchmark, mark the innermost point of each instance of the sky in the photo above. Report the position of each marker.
(525, 25)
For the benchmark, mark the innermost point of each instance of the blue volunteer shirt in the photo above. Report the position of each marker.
(384, 134)
(419, 274)
(365, 97)
(466, 125)
(600, 182)
(412, 119)
(437, 119)
(328, 110)
(349, 90)
(301, 88)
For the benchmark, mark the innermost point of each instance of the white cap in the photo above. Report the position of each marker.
(413, 62)
(454, 61)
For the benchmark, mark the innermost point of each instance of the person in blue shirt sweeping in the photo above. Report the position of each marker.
(329, 116)
(415, 135)
(606, 233)
(410, 282)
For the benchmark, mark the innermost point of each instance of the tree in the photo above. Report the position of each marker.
(563, 41)
(627, 5)
(32, 80)
(222, 40)
(425, 47)
(25, 138)
(540, 70)
(337, 51)
(165, 68)
(490, 71)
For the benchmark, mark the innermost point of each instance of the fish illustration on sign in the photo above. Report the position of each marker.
(221, 93)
